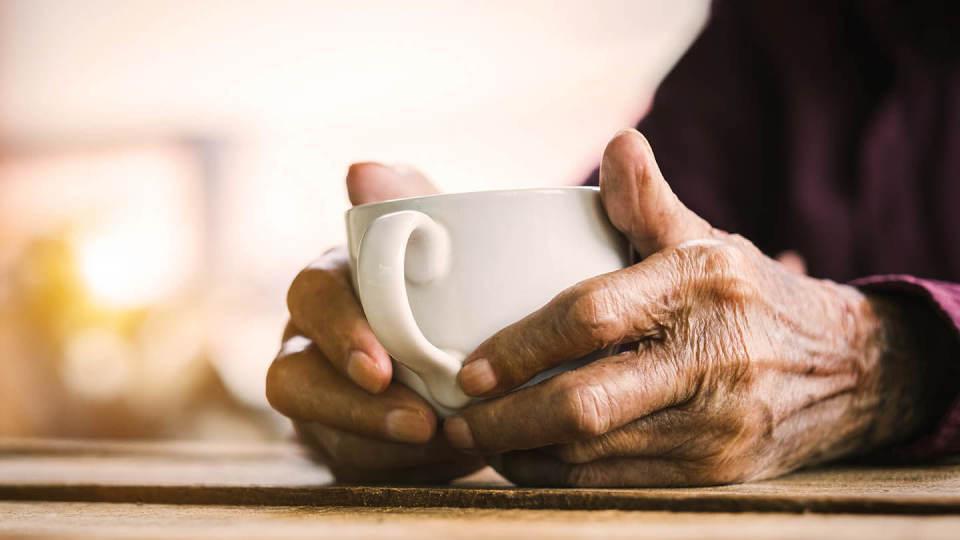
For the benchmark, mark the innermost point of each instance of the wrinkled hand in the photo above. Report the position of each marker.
(333, 378)
(737, 367)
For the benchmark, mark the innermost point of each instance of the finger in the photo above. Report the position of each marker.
(321, 300)
(536, 468)
(639, 201)
(324, 307)
(302, 385)
(372, 182)
(618, 307)
(576, 405)
(670, 433)
(345, 449)
(371, 461)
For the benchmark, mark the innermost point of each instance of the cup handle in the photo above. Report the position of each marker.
(382, 273)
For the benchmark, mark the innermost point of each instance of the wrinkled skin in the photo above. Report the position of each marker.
(734, 366)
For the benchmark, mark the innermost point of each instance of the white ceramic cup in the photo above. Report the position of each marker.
(439, 274)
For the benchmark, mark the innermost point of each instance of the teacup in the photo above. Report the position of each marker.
(439, 274)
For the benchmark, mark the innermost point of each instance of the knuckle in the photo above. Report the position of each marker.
(302, 286)
(583, 410)
(326, 272)
(723, 277)
(278, 375)
(591, 309)
(287, 373)
(720, 259)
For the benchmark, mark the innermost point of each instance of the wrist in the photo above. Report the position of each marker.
(911, 381)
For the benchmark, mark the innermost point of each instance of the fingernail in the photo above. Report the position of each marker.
(364, 371)
(477, 377)
(408, 426)
(458, 433)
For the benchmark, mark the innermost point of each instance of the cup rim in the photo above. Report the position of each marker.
(459, 194)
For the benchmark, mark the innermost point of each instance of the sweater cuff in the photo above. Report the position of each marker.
(943, 297)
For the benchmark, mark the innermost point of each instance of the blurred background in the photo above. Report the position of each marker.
(166, 167)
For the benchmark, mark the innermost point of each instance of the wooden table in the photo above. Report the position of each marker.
(163, 490)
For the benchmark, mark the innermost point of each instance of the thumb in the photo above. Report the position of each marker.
(639, 201)
(373, 182)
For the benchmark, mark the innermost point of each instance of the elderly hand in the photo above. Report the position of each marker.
(333, 377)
(737, 368)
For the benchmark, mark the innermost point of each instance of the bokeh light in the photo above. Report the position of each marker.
(124, 268)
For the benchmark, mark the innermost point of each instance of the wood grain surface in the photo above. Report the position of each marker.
(277, 475)
(98, 520)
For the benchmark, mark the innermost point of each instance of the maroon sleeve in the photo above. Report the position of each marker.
(714, 127)
(945, 299)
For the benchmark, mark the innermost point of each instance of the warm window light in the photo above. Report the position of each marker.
(123, 267)
(136, 210)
